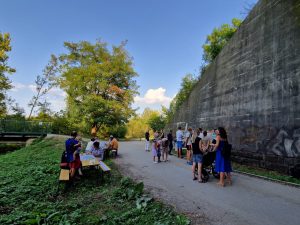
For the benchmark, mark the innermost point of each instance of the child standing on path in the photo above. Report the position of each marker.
(154, 149)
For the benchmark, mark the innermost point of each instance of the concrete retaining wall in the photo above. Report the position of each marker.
(252, 88)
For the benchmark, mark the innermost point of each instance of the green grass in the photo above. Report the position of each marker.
(265, 173)
(28, 193)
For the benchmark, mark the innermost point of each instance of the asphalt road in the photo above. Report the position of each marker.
(248, 201)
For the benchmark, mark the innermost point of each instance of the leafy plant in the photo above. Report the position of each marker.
(28, 193)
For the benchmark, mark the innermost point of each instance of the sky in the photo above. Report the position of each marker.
(165, 39)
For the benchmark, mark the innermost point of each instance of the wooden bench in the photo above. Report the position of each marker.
(64, 175)
(105, 168)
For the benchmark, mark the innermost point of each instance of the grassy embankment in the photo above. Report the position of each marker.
(265, 173)
(28, 184)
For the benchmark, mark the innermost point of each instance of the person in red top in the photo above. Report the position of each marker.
(73, 158)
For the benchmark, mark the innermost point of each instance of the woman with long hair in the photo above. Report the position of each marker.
(223, 166)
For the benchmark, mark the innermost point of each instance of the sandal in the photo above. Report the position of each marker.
(221, 185)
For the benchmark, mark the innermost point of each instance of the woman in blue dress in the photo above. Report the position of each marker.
(223, 166)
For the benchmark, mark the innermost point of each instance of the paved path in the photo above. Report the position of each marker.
(248, 201)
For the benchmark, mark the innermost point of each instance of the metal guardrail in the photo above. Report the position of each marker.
(24, 127)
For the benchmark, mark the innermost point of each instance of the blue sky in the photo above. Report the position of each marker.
(164, 38)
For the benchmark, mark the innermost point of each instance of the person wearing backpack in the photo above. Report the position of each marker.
(223, 164)
(73, 160)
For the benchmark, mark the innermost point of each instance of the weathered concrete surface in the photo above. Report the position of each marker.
(252, 88)
(248, 201)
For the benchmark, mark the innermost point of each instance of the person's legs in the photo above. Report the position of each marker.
(72, 172)
(188, 155)
(221, 182)
(179, 152)
(228, 178)
(158, 155)
(193, 169)
(170, 148)
(166, 155)
(147, 146)
(200, 172)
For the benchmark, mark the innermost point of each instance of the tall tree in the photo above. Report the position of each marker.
(5, 84)
(99, 83)
(139, 124)
(187, 84)
(218, 39)
(157, 123)
(43, 84)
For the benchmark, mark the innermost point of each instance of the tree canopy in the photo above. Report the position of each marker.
(187, 84)
(99, 83)
(139, 124)
(5, 84)
(218, 39)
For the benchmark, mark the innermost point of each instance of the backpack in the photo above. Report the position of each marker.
(226, 151)
(63, 162)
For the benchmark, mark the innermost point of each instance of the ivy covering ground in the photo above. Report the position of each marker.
(28, 193)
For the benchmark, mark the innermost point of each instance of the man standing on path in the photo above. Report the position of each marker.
(179, 139)
(147, 141)
(170, 139)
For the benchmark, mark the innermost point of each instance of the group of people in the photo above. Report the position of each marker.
(160, 146)
(197, 143)
(94, 147)
(102, 149)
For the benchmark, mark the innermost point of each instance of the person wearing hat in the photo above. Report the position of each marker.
(112, 145)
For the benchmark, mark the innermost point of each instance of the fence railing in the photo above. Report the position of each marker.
(24, 127)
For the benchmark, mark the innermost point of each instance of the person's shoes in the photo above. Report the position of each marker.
(220, 184)
(154, 162)
(195, 178)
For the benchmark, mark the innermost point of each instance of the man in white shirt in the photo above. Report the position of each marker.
(179, 139)
(89, 148)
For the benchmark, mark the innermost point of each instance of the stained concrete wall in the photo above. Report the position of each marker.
(252, 88)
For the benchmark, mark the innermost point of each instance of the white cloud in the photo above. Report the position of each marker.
(57, 104)
(32, 87)
(57, 92)
(154, 96)
(17, 86)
